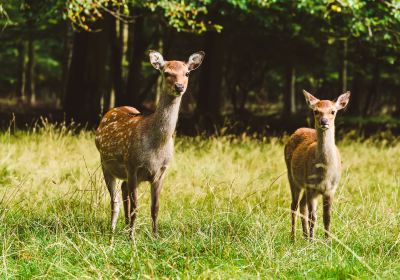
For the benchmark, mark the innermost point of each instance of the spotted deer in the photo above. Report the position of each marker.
(135, 147)
(314, 165)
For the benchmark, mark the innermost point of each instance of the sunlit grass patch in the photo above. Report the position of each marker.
(224, 213)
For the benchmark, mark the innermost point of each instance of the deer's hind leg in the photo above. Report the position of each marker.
(132, 185)
(294, 206)
(126, 201)
(110, 183)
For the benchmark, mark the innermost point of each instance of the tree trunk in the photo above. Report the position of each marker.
(209, 96)
(290, 91)
(21, 72)
(122, 29)
(159, 77)
(397, 109)
(293, 91)
(354, 106)
(115, 63)
(343, 67)
(358, 78)
(373, 90)
(86, 79)
(135, 79)
(66, 60)
(30, 73)
(233, 97)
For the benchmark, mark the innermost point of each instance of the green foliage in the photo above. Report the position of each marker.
(345, 18)
(369, 19)
(187, 16)
(4, 19)
(83, 13)
(274, 34)
(226, 216)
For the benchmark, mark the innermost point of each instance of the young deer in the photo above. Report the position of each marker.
(313, 164)
(136, 148)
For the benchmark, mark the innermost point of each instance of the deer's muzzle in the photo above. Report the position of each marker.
(179, 87)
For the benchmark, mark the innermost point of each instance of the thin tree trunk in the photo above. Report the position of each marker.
(243, 101)
(116, 63)
(209, 97)
(232, 93)
(293, 91)
(231, 82)
(159, 77)
(21, 72)
(134, 83)
(358, 78)
(30, 73)
(354, 107)
(397, 109)
(373, 90)
(76, 97)
(343, 67)
(66, 60)
(290, 91)
(86, 79)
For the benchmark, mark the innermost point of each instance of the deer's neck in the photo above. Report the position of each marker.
(165, 117)
(326, 148)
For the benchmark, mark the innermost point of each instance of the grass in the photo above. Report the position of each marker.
(224, 213)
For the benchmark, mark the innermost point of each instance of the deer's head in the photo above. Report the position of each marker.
(176, 73)
(325, 110)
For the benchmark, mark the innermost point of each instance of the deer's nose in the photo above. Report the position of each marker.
(179, 87)
(323, 121)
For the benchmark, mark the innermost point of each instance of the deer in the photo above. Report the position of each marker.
(137, 147)
(314, 165)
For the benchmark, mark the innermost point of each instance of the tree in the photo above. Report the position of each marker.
(86, 77)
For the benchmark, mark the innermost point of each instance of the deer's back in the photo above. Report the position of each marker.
(300, 140)
(116, 130)
(300, 154)
(125, 140)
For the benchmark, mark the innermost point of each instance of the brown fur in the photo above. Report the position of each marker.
(136, 148)
(314, 165)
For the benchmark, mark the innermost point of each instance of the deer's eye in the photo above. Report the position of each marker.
(187, 74)
(333, 112)
(167, 74)
(316, 112)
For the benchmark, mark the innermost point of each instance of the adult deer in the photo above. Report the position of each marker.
(136, 148)
(313, 164)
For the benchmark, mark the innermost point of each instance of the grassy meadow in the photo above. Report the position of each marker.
(224, 213)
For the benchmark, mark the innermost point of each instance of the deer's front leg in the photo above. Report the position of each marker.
(155, 204)
(304, 214)
(132, 185)
(327, 207)
(312, 208)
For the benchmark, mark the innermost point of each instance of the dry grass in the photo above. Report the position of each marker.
(224, 213)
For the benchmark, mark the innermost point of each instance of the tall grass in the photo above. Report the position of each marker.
(224, 213)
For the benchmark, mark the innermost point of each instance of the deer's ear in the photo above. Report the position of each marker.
(310, 99)
(195, 60)
(342, 100)
(156, 59)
